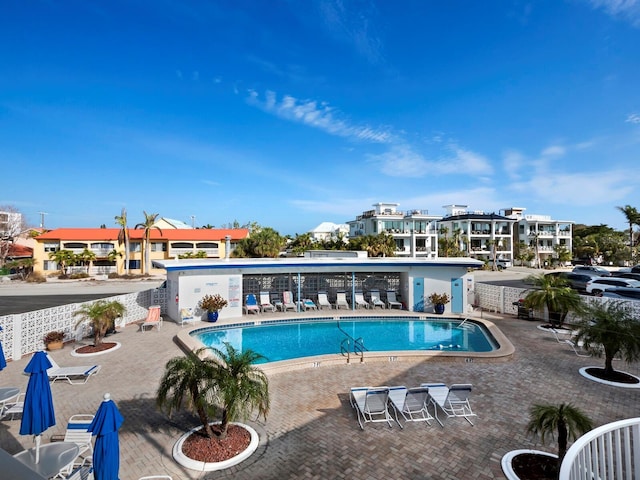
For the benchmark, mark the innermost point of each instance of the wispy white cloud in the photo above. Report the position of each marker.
(317, 115)
(628, 10)
(513, 163)
(554, 151)
(633, 118)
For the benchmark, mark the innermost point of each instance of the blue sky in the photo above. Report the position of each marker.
(290, 113)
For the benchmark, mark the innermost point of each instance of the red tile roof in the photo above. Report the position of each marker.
(110, 234)
(19, 251)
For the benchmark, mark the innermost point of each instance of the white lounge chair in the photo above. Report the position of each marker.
(453, 400)
(265, 302)
(14, 407)
(78, 433)
(578, 348)
(375, 299)
(392, 301)
(371, 404)
(411, 403)
(308, 304)
(187, 316)
(287, 302)
(341, 300)
(323, 301)
(360, 301)
(251, 304)
(74, 375)
(153, 318)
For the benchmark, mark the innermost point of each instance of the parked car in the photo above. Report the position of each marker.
(501, 263)
(603, 272)
(635, 269)
(624, 293)
(619, 274)
(598, 285)
(577, 281)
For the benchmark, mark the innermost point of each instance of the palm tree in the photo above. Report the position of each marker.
(228, 380)
(609, 329)
(101, 315)
(147, 225)
(123, 237)
(86, 257)
(554, 294)
(633, 218)
(63, 258)
(567, 420)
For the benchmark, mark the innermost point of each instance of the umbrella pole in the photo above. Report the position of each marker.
(37, 439)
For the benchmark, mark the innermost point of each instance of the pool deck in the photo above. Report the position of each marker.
(312, 432)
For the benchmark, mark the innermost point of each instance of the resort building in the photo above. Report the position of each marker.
(480, 235)
(109, 252)
(414, 231)
(540, 232)
(329, 231)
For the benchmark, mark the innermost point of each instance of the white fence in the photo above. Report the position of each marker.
(23, 333)
(608, 452)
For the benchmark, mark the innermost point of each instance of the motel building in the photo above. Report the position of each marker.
(412, 280)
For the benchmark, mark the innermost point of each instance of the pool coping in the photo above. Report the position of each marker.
(502, 354)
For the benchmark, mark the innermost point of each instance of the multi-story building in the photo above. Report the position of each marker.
(414, 231)
(109, 251)
(480, 235)
(329, 231)
(541, 233)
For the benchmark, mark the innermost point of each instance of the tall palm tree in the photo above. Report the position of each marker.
(101, 315)
(609, 328)
(147, 225)
(567, 420)
(554, 294)
(123, 237)
(86, 257)
(633, 218)
(63, 258)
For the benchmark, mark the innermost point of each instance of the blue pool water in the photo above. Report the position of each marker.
(296, 339)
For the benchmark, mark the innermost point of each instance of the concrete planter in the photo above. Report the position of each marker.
(508, 457)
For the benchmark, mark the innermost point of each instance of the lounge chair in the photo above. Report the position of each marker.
(153, 318)
(323, 300)
(74, 375)
(360, 301)
(187, 316)
(251, 304)
(308, 304)
(375, 299)
(411, 403)
(265, 302)
(13, 408)
(453, 401)
(78, 433)
(578, 348)
(341, 300)
(287, 302)
(371, 404)
(392, 301)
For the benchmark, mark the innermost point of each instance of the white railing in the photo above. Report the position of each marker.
(611, 451)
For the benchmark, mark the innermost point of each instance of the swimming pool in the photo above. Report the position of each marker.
(292, 339)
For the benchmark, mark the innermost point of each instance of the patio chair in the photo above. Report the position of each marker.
(287, 302)
(392, 301)
(153, 318)
(375, 299)
(371, 404)
(308, 304)
(78, 433)
(251, 304)
(341, 300)
(411, 403)
(323, 301)
(577, 348)
(265, 302)
(453, 401)
(74, 375)
(187, 316)
(14, 407)
(360, 301)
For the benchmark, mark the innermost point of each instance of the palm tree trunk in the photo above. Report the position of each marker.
(562, 442)
(608, 364)
(224, 424)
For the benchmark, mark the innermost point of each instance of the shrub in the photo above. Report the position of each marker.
(55, 336)
(439, 298)
(36, 277)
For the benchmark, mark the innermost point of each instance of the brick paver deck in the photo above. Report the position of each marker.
(312, 432)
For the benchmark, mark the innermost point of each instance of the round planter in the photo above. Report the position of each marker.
(212, 316)
(438, 308)
(509, 456)
(584, 372)
(191, 464)
(75, 352)
(57, 345)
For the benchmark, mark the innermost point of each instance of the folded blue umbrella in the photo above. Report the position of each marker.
(38, 413)
(106, 452)
(3, 361)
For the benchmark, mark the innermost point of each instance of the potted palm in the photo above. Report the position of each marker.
(211, 380)
(54, 340)
(212, 304)
(439, 300)
(546, 420)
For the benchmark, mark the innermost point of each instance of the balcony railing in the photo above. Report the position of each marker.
(609, 452)
(211, 252)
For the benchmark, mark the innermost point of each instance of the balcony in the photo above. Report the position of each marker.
(210, 252)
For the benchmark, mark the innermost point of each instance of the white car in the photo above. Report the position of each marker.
(598, 285)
